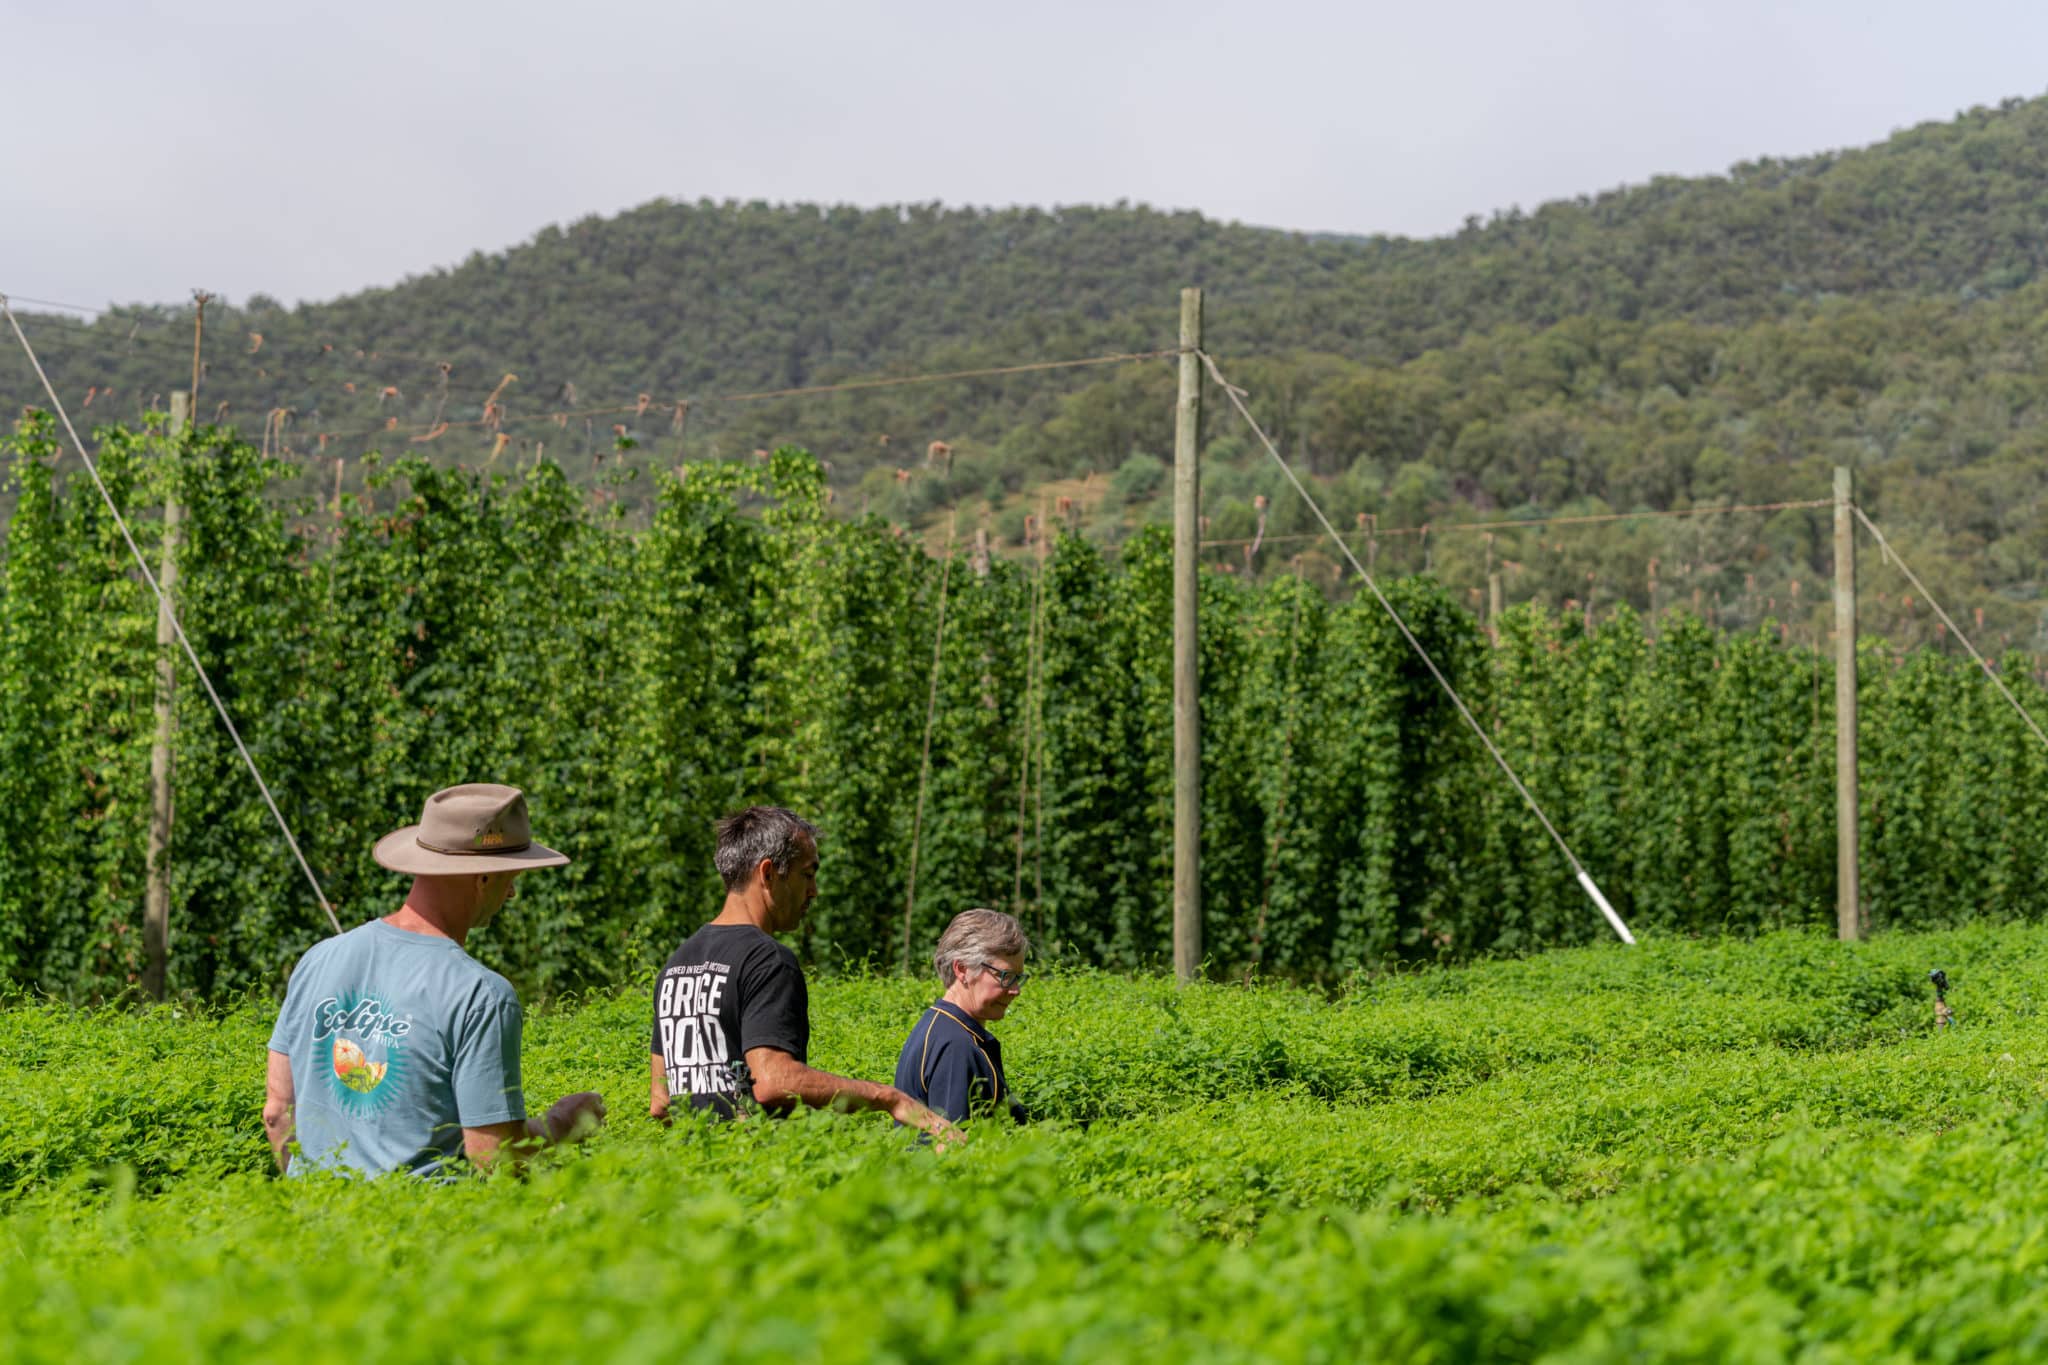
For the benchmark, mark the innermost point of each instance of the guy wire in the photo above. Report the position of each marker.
(220, 708)
(1585, 879)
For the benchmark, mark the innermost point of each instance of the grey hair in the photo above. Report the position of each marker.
(974, 935)
(746, 837)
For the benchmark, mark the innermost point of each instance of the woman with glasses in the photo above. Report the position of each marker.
(951, 1062)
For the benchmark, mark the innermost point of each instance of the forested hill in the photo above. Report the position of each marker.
(679, 298)
(1510, 363)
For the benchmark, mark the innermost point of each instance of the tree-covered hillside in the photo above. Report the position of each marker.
(1725, 338)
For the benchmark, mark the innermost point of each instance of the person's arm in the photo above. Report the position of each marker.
(277, 1107)
(490, 1099)
(571, 1118)
(657, 1089)
(780, 1077)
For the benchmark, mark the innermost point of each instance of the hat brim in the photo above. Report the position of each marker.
(401, 851)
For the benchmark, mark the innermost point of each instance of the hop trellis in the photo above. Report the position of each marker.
(746, 645)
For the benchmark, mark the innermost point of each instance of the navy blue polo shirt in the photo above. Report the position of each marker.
(954, 1066)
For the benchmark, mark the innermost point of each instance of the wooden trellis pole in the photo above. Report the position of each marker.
(1848, 889)
(1187, 708)
(156, 898)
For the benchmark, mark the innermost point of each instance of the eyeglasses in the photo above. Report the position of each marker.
(1008, 980)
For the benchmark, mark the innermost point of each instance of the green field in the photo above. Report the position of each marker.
(1730, 1151)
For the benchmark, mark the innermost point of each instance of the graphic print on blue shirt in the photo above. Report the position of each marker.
(365, 1051)
(398, 1041)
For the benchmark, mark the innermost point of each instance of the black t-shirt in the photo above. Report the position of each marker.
(728, 988)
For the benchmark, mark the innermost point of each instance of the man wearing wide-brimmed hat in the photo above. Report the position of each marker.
(397, 1050)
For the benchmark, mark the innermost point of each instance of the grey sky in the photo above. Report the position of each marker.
(251, 146)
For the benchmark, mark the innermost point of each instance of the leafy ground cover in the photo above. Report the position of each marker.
(1733, 1150)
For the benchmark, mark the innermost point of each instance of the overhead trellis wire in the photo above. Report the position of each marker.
(1585, 879)
(163, 600)
(1519, 523)
(416, 433)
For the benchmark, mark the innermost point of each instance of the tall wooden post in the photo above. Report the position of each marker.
(1848, 891)
(156, 903)
(1187, 709)
(201, 298)
(1493, 607)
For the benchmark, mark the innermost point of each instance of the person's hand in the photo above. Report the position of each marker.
(573, 1118)
(911, 1114)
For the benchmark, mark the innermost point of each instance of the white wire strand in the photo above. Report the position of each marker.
(92, 468)
(1585, 878)
(1914, 579)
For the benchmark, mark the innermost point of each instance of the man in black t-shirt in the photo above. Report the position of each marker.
(726, 984)
(731, 1012)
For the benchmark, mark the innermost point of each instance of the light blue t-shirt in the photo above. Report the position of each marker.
(398, 1041)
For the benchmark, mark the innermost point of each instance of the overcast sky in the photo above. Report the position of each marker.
(244, 147)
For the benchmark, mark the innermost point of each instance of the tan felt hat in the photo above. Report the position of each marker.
(477, 827)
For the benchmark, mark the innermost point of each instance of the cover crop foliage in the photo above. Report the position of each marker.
(1753, 1150)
